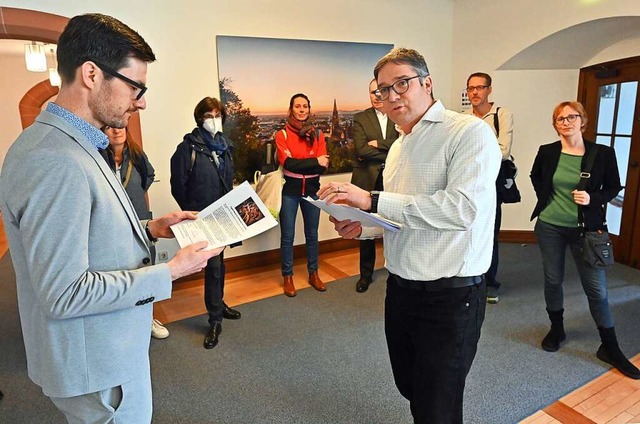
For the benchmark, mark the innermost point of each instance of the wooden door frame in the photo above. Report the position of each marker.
(608, 73)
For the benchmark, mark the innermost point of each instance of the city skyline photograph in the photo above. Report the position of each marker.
(266, 72)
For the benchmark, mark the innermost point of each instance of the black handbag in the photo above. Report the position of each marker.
(506, 182)
(597, 249)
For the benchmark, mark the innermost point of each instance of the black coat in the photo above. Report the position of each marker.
(196, 184)
(603, 185)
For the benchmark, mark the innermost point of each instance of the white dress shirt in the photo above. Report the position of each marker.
(382, 119)
(440, 186)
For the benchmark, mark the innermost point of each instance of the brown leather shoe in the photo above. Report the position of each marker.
(288, 287)
(316, 282)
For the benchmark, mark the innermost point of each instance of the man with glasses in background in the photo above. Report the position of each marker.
(373, 134)
(501, 121)
(84, 274)
(439, 184)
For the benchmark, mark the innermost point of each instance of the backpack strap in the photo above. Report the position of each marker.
(496, 122)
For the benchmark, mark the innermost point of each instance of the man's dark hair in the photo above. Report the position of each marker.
(100, 38)
(487, 78)
(402, 56)
(207, 105)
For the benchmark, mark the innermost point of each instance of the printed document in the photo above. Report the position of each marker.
(236, 216)
(342, 212)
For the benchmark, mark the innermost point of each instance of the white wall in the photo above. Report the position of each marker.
(487, 33)
(182, 35)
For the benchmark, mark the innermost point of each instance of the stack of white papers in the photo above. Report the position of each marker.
(236, 216)
(343, 212)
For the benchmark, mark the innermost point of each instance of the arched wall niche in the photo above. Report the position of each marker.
(33, 25)
(578, 44)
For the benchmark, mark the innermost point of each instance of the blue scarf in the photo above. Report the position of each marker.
(217, 144)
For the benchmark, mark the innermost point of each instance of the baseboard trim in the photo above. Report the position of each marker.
(517, 236)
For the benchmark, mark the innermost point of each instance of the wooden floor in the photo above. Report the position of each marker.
(611, 398)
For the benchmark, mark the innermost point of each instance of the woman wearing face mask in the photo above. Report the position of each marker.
(201, 173)
(134, 170)
(302, 153)
(555, 176)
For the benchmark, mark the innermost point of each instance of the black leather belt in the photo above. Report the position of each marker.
(436, 285)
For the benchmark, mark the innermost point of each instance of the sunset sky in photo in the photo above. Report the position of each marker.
(266, 72)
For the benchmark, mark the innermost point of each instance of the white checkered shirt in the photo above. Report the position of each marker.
(439, 183)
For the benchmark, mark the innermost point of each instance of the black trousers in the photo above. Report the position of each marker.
(492, 272)
(214, 274)
(367, 258)
(432, 337)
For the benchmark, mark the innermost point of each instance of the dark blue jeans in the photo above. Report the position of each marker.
(553, 241)
(432, 337)
(311, 218)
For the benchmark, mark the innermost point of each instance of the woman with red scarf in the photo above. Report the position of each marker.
(302, 153)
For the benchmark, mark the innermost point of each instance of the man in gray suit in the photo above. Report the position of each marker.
(373, 135)
(84, 272)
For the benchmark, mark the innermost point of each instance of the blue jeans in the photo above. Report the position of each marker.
(553, 241)
(311, 218)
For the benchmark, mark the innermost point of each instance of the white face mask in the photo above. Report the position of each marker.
(213, 125)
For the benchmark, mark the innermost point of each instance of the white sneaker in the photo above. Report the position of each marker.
(158, 331)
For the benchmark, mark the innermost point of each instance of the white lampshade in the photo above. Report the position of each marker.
(35, 57)
(54, 77)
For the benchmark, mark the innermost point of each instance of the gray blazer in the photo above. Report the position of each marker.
(366, 127)
(84, 280)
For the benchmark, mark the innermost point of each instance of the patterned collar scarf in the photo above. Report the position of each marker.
(305, 129)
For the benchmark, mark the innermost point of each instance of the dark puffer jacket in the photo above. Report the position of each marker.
(195, 180)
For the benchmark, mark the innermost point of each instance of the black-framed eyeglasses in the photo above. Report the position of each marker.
(569, 118)
(114, 73)
(477, 88)
(400, 87)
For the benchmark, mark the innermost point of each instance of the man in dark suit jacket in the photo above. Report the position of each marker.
(372, 146)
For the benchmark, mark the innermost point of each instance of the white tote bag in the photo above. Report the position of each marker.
(269, 189)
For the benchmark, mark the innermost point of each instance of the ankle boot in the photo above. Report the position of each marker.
(316, 282)
(551, 342)
(610, 353)
(288, 287)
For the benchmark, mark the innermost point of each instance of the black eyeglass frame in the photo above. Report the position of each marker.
(477, 88)
(143, 88)
(388, 89)
(571, 118)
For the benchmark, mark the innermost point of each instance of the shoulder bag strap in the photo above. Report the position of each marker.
(584, 179)
(125, 183)
(496, 122)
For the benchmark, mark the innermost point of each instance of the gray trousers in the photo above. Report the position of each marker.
(130, 403)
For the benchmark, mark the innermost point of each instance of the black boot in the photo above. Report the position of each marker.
(610, 353)
(551, 342)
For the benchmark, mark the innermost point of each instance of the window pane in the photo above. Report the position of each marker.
(622, 147)
(606, 108)
(626, 107)
(604, 140)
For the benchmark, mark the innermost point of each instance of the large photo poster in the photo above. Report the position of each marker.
(258, 76)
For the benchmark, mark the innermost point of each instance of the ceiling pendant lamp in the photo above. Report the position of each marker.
(35, 57)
